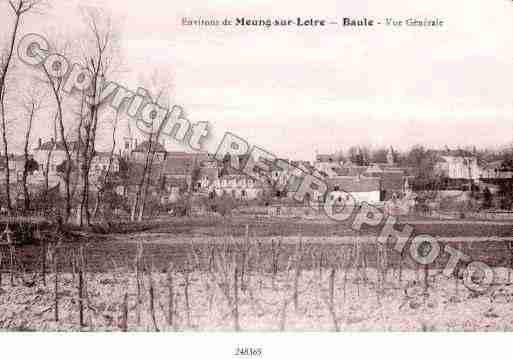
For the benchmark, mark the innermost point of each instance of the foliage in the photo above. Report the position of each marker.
(32, 165)
(487, 198)
(360, 156)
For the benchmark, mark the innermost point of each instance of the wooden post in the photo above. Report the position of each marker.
(171, 309)
(80, 298)
(321, 257)
(56, 285)
(236, 300)
(273, 254)
(1, 265)
(11, 264)
(299, 257)
(426, 278)
(283, 316)
(138, 258)
(124, 323)
(242, 265)
(152, 300)
(346, 269)
(510, 247)
(43, 258)
(186, 295)
(332, 287)
(212, 257)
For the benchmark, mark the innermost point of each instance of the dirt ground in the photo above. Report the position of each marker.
(330, 291)
(361, 302)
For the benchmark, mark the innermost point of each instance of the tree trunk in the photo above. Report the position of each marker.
(3, 77)
(6, 154)
(26, 158)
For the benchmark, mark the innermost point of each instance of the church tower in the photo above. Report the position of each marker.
(390, 156)
(128, 147)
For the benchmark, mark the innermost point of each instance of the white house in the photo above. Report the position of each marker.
(459, 167)
(361, 188)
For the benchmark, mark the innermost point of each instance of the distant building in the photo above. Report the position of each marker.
(103, 161)
(16, 167)
(393, 180)
(496, 170)
(328, 164)
(157, 152)
(390, 156)
(52, 155)
(238, 186)
(361, 188)
(459, 167)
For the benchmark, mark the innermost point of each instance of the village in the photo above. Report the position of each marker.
(182, 183)
(364, 181)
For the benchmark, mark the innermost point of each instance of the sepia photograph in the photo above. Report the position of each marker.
(227, 168)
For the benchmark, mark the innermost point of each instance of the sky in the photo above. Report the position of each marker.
(300, 91)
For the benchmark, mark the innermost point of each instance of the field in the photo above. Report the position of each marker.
(198, 274)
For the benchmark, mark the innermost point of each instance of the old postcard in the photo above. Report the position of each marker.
(229, 167)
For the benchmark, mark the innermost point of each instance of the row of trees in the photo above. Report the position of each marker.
(363, 155)
(77, 122)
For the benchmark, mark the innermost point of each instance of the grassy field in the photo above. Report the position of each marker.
(269, 227)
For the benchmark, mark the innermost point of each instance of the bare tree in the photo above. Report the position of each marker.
(19, 8)
(147, 173)
(46, 170)
(103, 181)
(31, 106)
(98, 60)
(56, 83)
(141, 191)
(160, 80)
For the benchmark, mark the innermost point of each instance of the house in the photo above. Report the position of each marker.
(16, 167)
(206, 177)
(495, 170)
(328, 164)
(394, 183)
(237, 185)
(140, 152)
(101, 161)
(459, 167)
(179, 169)
(52, 155)
(361, 188)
